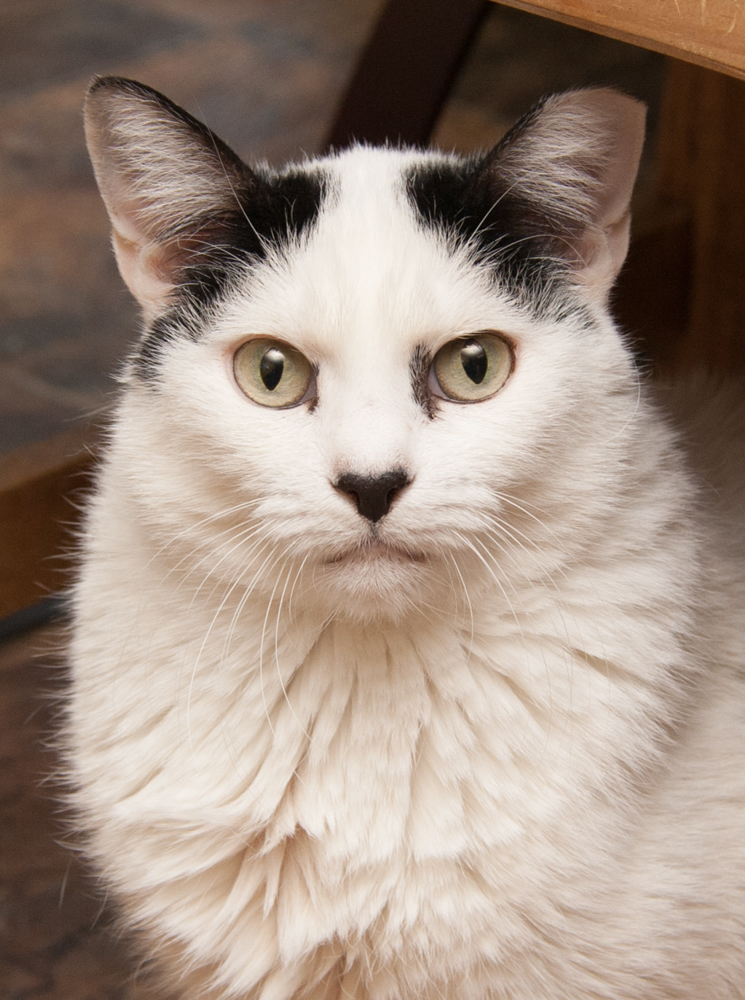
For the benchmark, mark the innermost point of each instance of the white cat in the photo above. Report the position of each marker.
(408, 658)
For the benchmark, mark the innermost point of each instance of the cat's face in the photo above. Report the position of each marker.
(400, 381)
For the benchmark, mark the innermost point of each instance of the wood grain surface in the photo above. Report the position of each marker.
(405, 71)
(701, 166)
(708, 32)
(39, 485)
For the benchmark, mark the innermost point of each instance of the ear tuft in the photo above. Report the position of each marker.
(166, 181)
(573, 161)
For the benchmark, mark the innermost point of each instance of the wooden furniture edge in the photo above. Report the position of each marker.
(40, 486)
(390, 98)
(612, 31)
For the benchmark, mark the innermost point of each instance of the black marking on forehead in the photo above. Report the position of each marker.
(470, 204)
(268, 215)
(147, 357)
(419, 367)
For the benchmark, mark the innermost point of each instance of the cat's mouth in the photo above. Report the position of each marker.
(374, 550)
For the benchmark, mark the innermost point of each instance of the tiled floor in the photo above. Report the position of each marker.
(55, 937)
(266, 75)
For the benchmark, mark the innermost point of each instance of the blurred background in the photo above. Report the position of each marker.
(267, 76)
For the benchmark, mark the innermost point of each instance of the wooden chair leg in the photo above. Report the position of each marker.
(406, 70)
(702, 166)
(38, 486)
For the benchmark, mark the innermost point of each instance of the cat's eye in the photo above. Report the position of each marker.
(473, 368)
(272, 373)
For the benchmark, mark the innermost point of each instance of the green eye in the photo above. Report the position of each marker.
(272, 373)
(470, 369)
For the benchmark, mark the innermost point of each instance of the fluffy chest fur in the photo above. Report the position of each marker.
(370, 792)
(378, 685)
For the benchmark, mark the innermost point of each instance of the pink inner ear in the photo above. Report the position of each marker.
(141, 276)
(142, 273)
(134, 231)
(614, 125)
(601, 253)
(158, 170)
(623, 120)
(574, 158)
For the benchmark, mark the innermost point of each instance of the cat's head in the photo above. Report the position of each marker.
(376, 377)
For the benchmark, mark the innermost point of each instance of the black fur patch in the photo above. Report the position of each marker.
(419, 366)
(146, 358)
(270, 210)
(472, 205)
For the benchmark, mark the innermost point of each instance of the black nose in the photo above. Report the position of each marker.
(373, 494)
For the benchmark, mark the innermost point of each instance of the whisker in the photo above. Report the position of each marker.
(201, 650)
(276, 658)
(454, 563)
(261, 656)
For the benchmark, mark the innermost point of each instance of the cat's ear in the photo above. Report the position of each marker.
(573, 162)
(170, 186)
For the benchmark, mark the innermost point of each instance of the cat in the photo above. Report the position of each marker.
(407, 660)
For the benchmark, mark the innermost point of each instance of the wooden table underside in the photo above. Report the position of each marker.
(708, 32)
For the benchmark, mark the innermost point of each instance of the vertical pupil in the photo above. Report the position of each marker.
(271, 368)
(474, 360)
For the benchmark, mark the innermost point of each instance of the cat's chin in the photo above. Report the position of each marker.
(375, 580)
(375, 553)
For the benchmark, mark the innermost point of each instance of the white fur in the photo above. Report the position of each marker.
(510, 769)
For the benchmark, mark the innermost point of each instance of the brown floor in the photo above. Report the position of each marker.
(55, 930)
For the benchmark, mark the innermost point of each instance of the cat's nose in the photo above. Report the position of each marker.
(373, 495)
